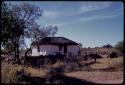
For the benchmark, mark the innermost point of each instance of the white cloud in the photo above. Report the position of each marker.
(89, 18)
(50, 14)
(94, 6)
(98, 17)
(83, 8)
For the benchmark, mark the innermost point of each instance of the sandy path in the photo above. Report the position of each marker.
(99, 77)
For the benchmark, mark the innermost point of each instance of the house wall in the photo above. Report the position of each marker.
(52, 49)
(45, 50)
(34, 51)
(73, 49)
(48, 49)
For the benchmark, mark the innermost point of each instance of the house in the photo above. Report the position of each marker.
(55, 45)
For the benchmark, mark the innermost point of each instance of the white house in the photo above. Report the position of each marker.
(54, 45)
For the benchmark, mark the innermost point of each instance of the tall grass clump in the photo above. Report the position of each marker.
(11, 74)
(54, 73)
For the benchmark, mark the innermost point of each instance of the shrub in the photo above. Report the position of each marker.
(55, 73)
(11, 74)
(120, 46)
(113, 55)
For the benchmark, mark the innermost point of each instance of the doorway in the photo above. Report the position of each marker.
(65, 49)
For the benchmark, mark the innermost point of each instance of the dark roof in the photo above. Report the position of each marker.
(55, 41)
(107, 46)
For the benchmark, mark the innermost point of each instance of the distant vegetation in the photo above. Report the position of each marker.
(120, 46)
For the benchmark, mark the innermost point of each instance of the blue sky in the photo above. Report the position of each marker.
(90, 23)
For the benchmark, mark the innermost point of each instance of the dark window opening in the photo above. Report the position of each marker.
(60, 47)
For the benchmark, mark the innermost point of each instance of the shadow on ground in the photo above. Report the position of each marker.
(55, 80)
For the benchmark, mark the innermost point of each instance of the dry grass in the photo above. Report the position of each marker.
(116, 63)
(36, 72)
(99, 76)
(8, 71)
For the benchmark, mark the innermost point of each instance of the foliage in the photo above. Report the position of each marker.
(6, 27)
(44, 32)
(120, 46)
(80, 45)
(113, 55)
(19, 22)
(11, 74)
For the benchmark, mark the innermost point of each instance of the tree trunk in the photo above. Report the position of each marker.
(26, 54)
(17, 52)
(18, 59)
(27, 51)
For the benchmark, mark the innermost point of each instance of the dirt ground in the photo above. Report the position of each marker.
(99, 77)
(95, 74)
